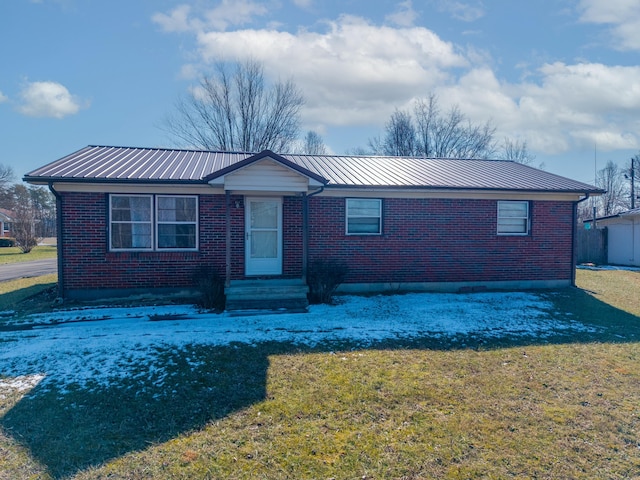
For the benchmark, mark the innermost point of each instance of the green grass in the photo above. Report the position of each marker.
(559, 408)
(28, 295)
(14, 255)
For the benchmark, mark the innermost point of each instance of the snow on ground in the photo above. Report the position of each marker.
(590, 266)
(98, 346)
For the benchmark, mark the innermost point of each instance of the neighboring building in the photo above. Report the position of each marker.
(623, 237)
(139, 220)
(6, 220)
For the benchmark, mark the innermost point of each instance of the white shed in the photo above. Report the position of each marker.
(623, 237)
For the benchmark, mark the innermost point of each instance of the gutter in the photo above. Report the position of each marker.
(305, 231)
(574, 237)
(59, 240)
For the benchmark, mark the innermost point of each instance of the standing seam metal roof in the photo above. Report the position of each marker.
(129, 164)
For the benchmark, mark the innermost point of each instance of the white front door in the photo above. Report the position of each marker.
(263, 247)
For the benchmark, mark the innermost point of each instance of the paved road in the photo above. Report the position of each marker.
(35, 268)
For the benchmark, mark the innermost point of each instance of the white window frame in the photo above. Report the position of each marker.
(154, 224)
(159, 222)
(526, 218)
(348, 217)
(132, 222)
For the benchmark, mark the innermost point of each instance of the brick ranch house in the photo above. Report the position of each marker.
(6, 221)
(133, 220)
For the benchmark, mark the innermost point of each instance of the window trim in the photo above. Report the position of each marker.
(527, 219)
(348, 217)
(154, 222)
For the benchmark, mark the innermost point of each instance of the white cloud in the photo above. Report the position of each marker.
(3, 97)
(405, 16)
(354, 73)
(177, 20)
(463, 11)
(567, 106)
(622, 15)
(226, 14)
(366, 68)
(47, 99)
(303, 3)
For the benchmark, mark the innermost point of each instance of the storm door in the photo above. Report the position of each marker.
(263, 236)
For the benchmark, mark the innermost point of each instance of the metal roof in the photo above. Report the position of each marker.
(94, 164)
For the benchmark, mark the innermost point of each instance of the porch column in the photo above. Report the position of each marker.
(305, 235)
(227, 276)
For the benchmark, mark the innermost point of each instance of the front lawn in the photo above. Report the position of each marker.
(563, 405)
(14, 255)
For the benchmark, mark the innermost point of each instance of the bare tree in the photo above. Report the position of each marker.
(313, 144)
(237, 110)
(450, 135)
(430, 133)
(517, 151)
(400, 136)
(23, 225)
(611, 179)
(6, 177)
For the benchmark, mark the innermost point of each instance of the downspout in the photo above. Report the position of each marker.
(305, 231)
(59, 240)
(574, 238)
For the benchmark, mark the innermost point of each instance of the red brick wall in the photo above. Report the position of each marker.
(89, 265)
(442, 240)
(423, 240)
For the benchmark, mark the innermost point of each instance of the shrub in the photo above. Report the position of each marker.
(211, 286)
(25, 238)
(324, 276)
(7, 242)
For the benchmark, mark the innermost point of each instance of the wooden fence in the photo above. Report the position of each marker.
(591, 246)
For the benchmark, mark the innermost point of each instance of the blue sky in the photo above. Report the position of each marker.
(563, 75)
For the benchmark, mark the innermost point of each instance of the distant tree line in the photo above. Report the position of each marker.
(33, 210)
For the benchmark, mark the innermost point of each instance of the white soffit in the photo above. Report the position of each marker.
(266, 175)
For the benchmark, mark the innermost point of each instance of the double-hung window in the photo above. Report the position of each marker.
(176, 222)
(131, 222)
(364, 216)
(513, 218)
(153, 222)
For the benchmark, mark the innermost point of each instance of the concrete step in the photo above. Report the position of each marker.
(278, 295)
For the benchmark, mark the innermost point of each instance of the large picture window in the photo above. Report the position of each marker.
(513, 218)
(364, 216)
(148, 222)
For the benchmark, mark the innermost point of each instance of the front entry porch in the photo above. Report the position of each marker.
(274, 295)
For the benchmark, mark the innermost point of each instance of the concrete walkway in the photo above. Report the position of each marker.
(35, 268)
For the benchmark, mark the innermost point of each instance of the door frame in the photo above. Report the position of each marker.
(257, 267)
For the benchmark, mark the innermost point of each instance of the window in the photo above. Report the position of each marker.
(176, 222)
(364, 216)
(513, 218)
(135, 227)
(131, 222)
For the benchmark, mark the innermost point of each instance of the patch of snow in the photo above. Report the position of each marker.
(21, 382)
(607, 267)
(80, 350)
